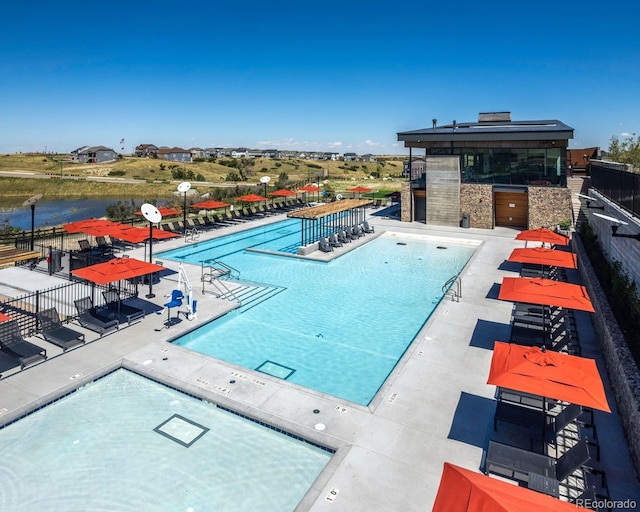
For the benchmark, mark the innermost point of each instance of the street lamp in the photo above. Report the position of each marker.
(153, 215)
(264, 180)
(184, 187)
(32, 203)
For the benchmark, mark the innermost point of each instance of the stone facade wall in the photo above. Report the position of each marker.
(621, 367)
(406, 202)
(476, 200)
(549, 206)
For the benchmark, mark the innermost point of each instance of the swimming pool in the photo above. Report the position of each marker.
(339, 327)
(125, 442)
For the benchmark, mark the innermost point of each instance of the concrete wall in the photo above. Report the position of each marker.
(477, 201)
(406, 202)
(621, 367)
(549, 206)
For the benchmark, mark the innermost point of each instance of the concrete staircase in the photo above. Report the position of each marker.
(578, 185)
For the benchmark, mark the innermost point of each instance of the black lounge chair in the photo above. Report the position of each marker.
(324, 244)
(343, 237)
(91, 319)
(333, 241)
(56, 333)
(13, 344)
(539, 472)
(7, 361)
(119, 310)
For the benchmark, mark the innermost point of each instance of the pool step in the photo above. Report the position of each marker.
(250, 294)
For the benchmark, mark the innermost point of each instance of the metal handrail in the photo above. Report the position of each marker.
(455, 292)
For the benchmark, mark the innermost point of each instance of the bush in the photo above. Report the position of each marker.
(233, 176)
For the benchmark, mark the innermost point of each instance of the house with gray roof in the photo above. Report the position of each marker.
(94, 155)
(174, 154)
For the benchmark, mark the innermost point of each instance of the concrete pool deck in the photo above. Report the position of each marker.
(435, 407)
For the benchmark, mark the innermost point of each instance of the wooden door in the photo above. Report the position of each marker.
(511, 209)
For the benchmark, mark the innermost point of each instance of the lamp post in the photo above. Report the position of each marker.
(152, 214)
(264, 180)
(183, 188)
(32, 203)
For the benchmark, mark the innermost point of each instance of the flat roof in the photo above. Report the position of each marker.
(324, 210)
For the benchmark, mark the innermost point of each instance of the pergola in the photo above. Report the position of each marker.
(328, 218)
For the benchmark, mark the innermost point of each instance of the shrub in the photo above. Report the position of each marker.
(116, 172)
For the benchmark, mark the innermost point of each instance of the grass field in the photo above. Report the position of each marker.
(158, 178)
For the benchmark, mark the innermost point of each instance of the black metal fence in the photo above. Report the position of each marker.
(618, 184)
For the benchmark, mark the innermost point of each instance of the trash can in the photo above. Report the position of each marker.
(465, 220)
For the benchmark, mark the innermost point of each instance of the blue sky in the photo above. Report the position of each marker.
(313, 75)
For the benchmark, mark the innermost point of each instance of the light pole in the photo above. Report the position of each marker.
(184, 187)
(32, 203)
(152, 214)
(264, 180)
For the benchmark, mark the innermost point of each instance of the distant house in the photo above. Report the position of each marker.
(197, 153)
(288, 155)
(239, 153)
(94, 155)
(350, 157)
(332, 156)
(255, 153)
(368, 158)
(270, 153)
(174, 154)
(418, 169)
(146, 151)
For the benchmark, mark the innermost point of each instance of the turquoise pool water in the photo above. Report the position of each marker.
(96, 449)
(337, 327)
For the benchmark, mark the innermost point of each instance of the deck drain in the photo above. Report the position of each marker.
(181, 430)
(276, 370)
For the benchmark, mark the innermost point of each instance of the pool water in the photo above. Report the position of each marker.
(339, 327)
(96, 449)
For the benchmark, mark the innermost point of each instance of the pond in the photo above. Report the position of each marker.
(53, 212)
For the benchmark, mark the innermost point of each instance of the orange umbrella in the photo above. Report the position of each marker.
(548, 374)
(283, 192)
(545, 292)
(4, 318)
(544, 256)
(252, 198)
(136, 235)
(209, 205)
(309, 188)
(117, 269)
(165, 212)
(94, 227)
(543, 235)
(462, 490)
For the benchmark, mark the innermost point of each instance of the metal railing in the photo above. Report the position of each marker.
(453, 288)
(615, 182)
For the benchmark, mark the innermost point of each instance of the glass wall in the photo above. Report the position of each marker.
(510, 166)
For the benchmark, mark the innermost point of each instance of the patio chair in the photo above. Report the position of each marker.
(343, 237)
(355, 232)
(210, 223)
(529, 467)
(90, 318)
(324, 244)
(84, 245)
(333, 241)
(56, 333)
(366, 228)
(174, 302)
(119, 310)
(7, 361)
(103, 246)
(13, 344)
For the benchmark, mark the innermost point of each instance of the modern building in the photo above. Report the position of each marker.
(487, 173)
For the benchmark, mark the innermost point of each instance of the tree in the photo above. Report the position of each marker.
(626, 150)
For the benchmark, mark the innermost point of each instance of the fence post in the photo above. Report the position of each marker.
(37, 301)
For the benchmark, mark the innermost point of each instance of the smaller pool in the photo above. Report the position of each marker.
(125, 442)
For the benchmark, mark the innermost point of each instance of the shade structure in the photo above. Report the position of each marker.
(462, 490)
(117, 269)
(136, 235)
(543, 235)
(544, 256)
(251, 198)
(165, 211)
(93, 227)
(545, 292)
(548, 374)
(283, 192)
(210, 205)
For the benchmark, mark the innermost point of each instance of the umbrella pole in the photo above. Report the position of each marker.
(151, 295)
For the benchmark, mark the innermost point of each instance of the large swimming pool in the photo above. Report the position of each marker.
(127, 443)
(339, 327)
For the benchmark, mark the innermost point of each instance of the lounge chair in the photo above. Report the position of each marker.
(84, 245)
(56, 333)
(8, 361)
(103, 246)
(210, 223)
(119, 310)
(529, 467)
(343, 237)
(355, 231)
(13, 344)
(366, 228)
(91, 319)
(333, 241)
(324, 244)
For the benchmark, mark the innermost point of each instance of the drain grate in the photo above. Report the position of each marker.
(181, 430)
(275, 370)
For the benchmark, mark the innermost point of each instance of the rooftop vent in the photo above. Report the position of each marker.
(492, 117)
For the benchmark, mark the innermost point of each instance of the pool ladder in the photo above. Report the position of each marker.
(452, 289)
(212, 271)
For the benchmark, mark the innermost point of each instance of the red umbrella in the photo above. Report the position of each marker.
(309, 188)
(548, 374)
(117, 269)
(462, 490)
(94, 227)
(165, 212)
(210, 205)
(544, 256)
(283, 192)
(4, 318)
(545, 292)
(543, 235)
(251, 198)
(136, 235)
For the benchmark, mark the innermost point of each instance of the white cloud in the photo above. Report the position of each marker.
(626, 134)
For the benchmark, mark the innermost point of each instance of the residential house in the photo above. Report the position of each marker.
(350, 157)
(94, 155)
(196, 153)
(174, 154)
(239, 153)
(368, 158)
(146, 151)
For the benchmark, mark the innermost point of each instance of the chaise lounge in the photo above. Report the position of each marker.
(119, 310)
(91, 319)
(56, 333)
(13, 344)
